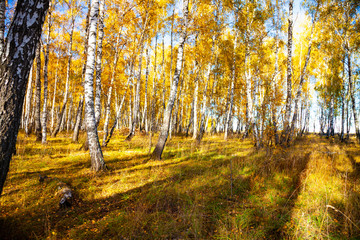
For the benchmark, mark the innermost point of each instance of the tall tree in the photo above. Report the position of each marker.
(289, 72)
(174, 85)
(38, 95)
(46, 62)
(97, 158)
(20, 46)
(98, 63)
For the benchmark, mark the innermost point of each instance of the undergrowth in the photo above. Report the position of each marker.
(216, 190)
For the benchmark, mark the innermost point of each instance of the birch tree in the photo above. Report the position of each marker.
(16, 60)
(289, 72)
(98, 63)
(97, 158)
(174, 85)
(38, 95)
(46, 62)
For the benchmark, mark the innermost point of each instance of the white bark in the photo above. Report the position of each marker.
(174, 85)
(98, 63)
(46, 61)
(97, 158)
(28, 103)
(289, 72)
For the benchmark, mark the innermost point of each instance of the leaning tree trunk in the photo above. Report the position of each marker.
(117, 118)
(167, 116)
(46, 62)
(108, 100)
(98, 63)
(15, 64)
(38, 95)
(97, 158)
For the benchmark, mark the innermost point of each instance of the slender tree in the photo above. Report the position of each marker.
(46, 62)
(174, 85)
(38, 95)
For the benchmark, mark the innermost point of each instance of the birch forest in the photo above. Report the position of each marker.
(181, 119)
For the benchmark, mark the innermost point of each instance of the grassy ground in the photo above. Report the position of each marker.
(216, 190)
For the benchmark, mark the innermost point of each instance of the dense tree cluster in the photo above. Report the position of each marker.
(191, 67)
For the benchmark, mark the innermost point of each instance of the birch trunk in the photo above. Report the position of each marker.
(68, 68)
(98, 63)
(54, 97)
(144, 117)
(135, 119)
(38, 95)
(46, 62)
(290, 133)
(154, 90)
(78, 120)
(289, 72)
(108, 101)
(117, 118)
(97, 158)
(21, 43)
(352, 97)
(167, 116)
(203, 108)
(249, 102)
(2, 25)
(229, 113)
(28, 103)
(195, 108)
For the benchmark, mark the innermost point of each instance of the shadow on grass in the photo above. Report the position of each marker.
(208, 192)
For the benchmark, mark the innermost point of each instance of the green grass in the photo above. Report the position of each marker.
(216, 190)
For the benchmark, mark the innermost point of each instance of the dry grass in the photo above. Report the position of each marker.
(216, 190)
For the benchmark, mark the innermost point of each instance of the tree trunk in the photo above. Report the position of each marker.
(195, 108)
(233, 78)
(98, 63)
(249, 102)
(135, 119)
(2, 25)
(54, 97)
(299, 90)
(68, 68)
(15, 64)
(28, 104)
(154, 90)
(144, 116)
(167, 116)
(352, 97)
(108, 101)
(78, 119)
(38, 95)
(117, 118)
(289, 72)
(46, 62)
(97, 158)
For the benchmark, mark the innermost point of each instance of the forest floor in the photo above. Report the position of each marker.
(216, 190)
